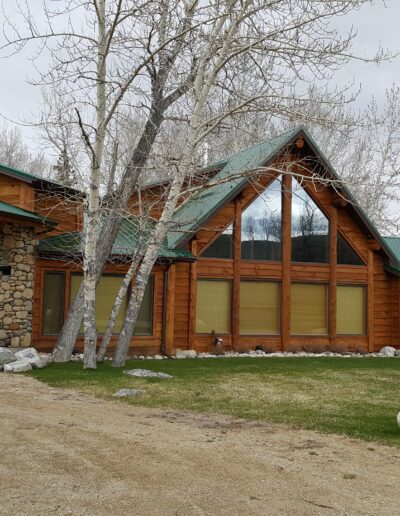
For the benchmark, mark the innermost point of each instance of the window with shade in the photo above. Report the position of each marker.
(53, 302)
(259, 308)
(351, 310)
(106, 292)
(309, 309)
(213, 306)
(262, 225)
(310, 228)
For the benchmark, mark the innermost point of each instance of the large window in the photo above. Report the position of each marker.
(222, 247)
(53, 302)
(262, 225)
(106, 292)
(259, 308)
(309, 309)
(345, 253)
(350, 310)
(310, 228)
(213, 306)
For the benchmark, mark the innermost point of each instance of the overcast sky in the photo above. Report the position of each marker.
(376, 26)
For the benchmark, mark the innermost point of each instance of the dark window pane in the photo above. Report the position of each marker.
(310, 228)
(262, 226)
(345, 253)
(53, 302)
(144, 323)
(222, 247)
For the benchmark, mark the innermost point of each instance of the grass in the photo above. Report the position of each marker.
(358, 397)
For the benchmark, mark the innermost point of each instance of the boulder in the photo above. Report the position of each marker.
(387, 351)
(123, 393)
(19, 366)
(6, 356)
(145, 373)
(30, 355)
(187, 353)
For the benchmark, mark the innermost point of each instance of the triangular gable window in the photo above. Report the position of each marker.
(310, 228)
(346, 254)
(262, 225)
(222, 247)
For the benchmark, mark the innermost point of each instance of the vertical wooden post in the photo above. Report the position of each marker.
(237, 252)
(332, 275)
(370, 300)
(286, 257)
(170, 311)
(192, 295)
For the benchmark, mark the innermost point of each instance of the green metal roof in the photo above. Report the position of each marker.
(197, 210)
(14, 211)
(31, 178)
(127, 240)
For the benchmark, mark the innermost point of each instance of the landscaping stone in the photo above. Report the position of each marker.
(31, 356)
(387, 351)
(187, 353)
(398, 419)
(123, 393)
(145, 373)
(6, 356)
(158, 357)
(20, 366)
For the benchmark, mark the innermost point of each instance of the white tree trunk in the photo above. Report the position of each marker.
(93, 214)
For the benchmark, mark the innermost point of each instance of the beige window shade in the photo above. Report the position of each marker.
(309, 309)
(106, 292)
(350, 310)
(213, 306)
(259, 308)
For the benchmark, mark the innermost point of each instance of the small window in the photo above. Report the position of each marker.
(350, 310)
(309, 309)
(53, 302)
(222, 247)
(345, 253)
(262, 225)
(259, 308)
(310, 228)
(213, 306)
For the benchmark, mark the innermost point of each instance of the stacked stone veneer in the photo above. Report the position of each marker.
(16, 287)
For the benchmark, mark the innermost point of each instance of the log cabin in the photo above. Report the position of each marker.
(272, 252)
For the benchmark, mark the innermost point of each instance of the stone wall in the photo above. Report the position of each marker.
(16, 286)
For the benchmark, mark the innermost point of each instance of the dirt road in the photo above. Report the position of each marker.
(64, 453)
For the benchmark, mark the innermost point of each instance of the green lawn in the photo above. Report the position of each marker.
(359, 397)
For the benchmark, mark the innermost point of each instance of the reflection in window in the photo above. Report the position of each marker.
(262, 225)
(222, 247)
(310, 228)
(345, 253)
